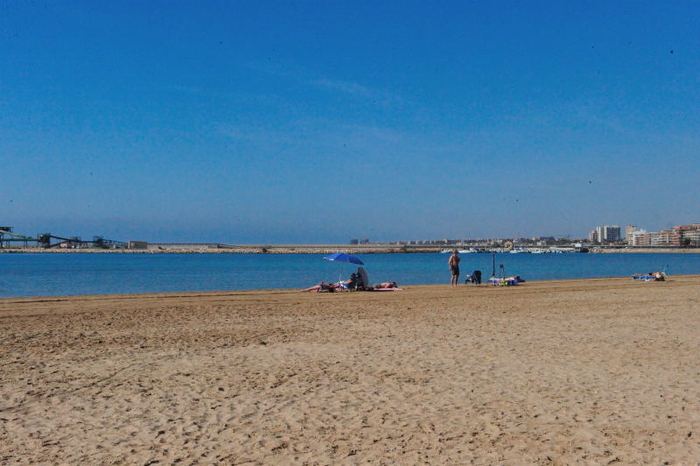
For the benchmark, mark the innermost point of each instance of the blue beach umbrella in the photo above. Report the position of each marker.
(343, 257)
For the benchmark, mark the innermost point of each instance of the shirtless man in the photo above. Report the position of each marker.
(454, 268)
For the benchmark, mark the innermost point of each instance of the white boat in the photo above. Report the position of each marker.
(559, 250)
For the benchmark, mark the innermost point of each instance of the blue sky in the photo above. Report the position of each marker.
(317, 122)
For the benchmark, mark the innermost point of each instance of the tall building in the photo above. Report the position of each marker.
(599, 235)
(605, 234)
(593, 236)
(611, 233)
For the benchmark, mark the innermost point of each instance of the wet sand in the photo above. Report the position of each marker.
(559, 372)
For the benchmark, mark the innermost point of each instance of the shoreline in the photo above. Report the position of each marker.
(224, 293)
(174, 295)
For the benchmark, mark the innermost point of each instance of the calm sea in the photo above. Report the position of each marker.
(81, 274)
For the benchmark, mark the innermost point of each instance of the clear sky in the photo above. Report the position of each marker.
(317, 122)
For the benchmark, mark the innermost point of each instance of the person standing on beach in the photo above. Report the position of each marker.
(454, 268)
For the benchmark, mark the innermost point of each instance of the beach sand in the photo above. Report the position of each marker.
(558, 372)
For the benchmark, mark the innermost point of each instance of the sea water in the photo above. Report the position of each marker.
(51, 274)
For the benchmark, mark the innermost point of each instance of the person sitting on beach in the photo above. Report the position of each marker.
(350, 284)
(658, 276)
(476, 277)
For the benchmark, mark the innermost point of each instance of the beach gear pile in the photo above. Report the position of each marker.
(650, 277)
(506, 281)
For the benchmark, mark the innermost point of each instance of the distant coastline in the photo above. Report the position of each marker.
(213, 248)
(216, 248)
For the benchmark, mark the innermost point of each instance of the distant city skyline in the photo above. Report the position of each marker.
(632, 234)
(308, 122)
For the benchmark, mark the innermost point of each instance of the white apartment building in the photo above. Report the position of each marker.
(606, 234)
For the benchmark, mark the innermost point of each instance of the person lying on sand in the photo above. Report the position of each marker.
(323, 286)
(384, 286)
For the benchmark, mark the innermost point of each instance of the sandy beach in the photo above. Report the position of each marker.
(560, 372)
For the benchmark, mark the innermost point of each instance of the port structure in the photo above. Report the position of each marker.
(7, 236)
(47, 240)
